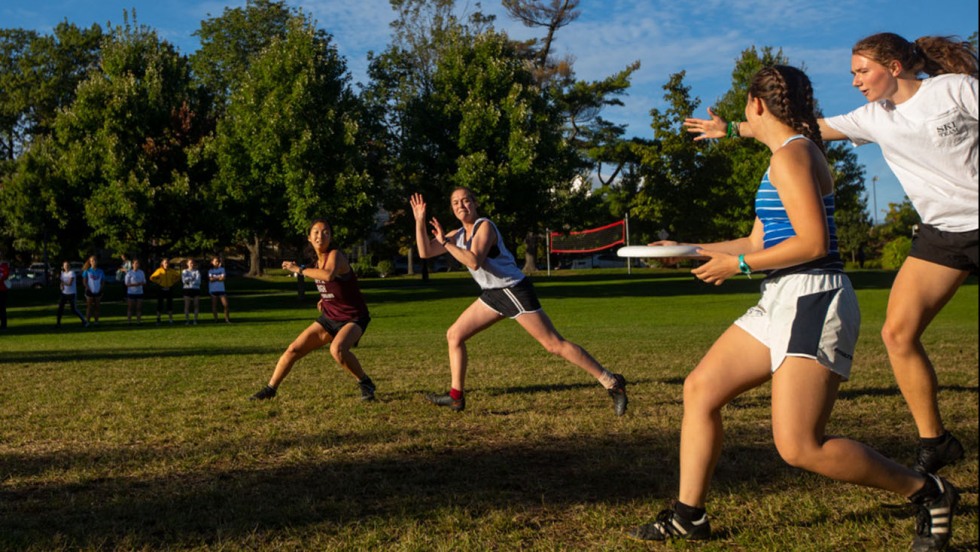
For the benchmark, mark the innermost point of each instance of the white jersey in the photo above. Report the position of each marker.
(216, 285)
(68, 283)
(137, 279)
(498, 271)
(191, 278)
(930, 143)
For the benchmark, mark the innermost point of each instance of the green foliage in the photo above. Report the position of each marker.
(287, 148)
(899, 221)
(894, 253)
(385, 268)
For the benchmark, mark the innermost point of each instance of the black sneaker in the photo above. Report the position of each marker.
(934, 520)
(367, 389)
(618, 394)
(932, 459)
(669, 526)
(263, 394)
(447, 400)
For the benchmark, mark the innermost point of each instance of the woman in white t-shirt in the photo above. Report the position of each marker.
(68, 292)
(134, 279)
(927, 131)
(191, 278)
(216, 287)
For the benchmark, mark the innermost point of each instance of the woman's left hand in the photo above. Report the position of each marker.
(718, 268)
(437, 232)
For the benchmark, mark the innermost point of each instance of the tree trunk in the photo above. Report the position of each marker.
(254, 257)
(530, 252)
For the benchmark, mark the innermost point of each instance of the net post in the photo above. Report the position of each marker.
(547, 238)
(626, 230)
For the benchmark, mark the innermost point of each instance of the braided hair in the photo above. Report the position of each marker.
(932, 55)
(788, 95)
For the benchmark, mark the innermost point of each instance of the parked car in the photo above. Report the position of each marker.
(600, 260)
(22, 278)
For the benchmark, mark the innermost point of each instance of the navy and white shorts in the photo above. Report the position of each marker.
(513, 301)
(951, 249)
(811, 314)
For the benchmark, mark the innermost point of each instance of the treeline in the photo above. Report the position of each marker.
(111, 139)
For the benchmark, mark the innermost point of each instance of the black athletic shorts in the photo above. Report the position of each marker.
(93, 295)
(333, 326)
(953, 249)
(514, 301)
(192, 292)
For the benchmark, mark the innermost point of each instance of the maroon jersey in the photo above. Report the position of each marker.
(341, 299)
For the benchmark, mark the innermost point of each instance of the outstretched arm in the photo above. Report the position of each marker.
(716, 127)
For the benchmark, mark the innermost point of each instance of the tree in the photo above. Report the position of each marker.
(231, 42)
(287, 146)
(679, 181)
(39, 75)
(114, 173)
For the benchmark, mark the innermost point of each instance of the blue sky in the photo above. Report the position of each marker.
(703, 37)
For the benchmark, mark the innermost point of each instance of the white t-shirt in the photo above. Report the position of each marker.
(68, 283)
(930, 143)
(216, 285)
(134, 277)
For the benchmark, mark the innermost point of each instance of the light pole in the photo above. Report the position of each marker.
(874, 195)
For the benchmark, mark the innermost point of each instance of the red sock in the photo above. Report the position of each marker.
(455, 394)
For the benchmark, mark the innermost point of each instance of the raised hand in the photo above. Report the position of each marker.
(714, 127)
(418, 206)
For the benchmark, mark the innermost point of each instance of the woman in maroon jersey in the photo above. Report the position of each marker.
(343, 314)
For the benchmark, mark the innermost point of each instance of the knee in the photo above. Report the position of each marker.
(556, 346)
(455, 337)
(337, 352)
(797, 452)
(897, 336)
(696, 390)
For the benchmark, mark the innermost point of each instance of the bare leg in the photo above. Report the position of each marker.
(735, 363)
(476, 318)
(919, 292)
(803, 395)
(310, 340)
(340, 350)
(224, 303)
(541, 328)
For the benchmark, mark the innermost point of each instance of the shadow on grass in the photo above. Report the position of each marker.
(409, 486)
(26, 357)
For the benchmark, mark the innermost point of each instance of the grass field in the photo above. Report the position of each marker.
(141, 438)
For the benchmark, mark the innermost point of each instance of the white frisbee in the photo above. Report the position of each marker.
(651, 251)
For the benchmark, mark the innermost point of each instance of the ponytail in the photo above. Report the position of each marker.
(931, 55)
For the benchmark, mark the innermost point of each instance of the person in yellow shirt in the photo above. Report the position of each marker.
(165, 278)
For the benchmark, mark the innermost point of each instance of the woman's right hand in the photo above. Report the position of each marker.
(715, 127)
(418, 206)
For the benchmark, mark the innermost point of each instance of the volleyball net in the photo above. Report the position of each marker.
(588, 241)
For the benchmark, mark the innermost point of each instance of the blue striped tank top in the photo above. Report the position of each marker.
(777, 227)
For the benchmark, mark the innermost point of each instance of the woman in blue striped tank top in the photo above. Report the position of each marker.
(800, 336)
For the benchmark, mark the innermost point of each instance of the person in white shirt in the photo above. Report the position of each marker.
(927, 129)
(68, 292)
(216, 287)
(191, 278)
(134, 279)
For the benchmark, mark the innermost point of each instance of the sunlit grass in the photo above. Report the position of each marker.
(142, 438)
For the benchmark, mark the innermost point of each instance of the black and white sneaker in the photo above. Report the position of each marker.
(934, 520)
(447, 400)
(669, 525)
(367, 389)
(932, 459)
(618, 394)
(266, 392)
